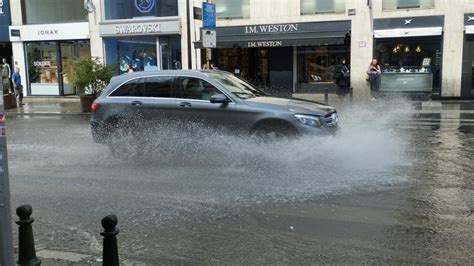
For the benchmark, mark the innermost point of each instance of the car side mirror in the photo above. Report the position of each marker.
(219, 98)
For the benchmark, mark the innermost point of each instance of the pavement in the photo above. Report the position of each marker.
(71, 105)
(48, 106)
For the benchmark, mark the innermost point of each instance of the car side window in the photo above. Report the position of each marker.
(194, 88)
(158, 87)
(133, 88)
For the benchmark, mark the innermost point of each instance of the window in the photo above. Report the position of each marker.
(193, 88)
(228, 9)
(159, 87)
(316, 64)
(404, 4)
(323, 6)
(53, 11)
(127, 9)
(133, 88)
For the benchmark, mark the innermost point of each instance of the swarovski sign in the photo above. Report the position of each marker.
(138, 28)
(276, 28)
(141, 28)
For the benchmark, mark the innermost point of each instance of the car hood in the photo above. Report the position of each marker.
(291, 105)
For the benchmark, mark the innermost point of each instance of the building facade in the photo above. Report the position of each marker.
(291, 46)
(47, 34)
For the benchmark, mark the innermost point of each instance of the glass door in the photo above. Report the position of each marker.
(42, 68)
(67, 53)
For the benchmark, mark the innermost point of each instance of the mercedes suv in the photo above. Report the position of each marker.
(208, 98)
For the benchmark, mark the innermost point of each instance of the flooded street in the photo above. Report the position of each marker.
(394, 186)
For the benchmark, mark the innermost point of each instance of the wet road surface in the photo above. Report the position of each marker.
(395, 186)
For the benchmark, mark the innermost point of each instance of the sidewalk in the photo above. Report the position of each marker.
(48, 106)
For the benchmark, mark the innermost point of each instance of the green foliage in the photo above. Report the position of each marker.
(33, 71)
(88, 75)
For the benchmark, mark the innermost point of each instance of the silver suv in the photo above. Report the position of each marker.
(211, 99)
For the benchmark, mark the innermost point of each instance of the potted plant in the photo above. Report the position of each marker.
(89, 76)
(9, 99)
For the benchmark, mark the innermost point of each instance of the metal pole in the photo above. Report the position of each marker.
(6, 246)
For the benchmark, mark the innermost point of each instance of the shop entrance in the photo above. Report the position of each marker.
(46, 65)
(467, 88)
(270, 69)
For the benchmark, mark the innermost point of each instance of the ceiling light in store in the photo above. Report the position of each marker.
(418, 49)
(407, 49)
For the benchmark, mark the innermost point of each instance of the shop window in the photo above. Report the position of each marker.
(405, 4)
(410, 64)
(229, 9)
(53, 11)
(139, 52)
(323, 6)
(316, 65)
(127, 9)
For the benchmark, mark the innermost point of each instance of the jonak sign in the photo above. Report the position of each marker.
(277, 28)
(138, 28)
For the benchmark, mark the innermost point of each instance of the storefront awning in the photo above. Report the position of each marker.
(408, 32)
(469, 29)
(280, 40)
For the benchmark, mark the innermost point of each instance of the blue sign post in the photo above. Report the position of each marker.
(208, 16)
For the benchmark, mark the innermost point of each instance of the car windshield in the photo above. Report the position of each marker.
(237, 86)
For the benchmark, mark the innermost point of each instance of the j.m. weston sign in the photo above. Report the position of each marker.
(276, 28)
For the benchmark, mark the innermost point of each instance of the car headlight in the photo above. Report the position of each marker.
(307, 120)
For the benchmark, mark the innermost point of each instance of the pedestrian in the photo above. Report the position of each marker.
(129, 68)
(342, 76)
(17, 86)
(374, 73)
(6, 74)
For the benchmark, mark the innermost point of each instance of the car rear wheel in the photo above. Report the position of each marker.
(125, 144)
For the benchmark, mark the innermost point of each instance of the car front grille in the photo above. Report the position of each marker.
(331, 119)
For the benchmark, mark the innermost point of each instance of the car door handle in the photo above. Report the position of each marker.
(136, 103)
(185, 104)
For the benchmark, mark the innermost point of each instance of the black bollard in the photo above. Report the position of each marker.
(351, 94)
(326, 96)
(110, 251)
(26, 242)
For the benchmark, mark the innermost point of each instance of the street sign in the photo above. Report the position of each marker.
(208, 16)
(209, 38)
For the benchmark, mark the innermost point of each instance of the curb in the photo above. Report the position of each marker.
(45, 113)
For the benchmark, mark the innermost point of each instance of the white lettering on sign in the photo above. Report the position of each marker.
(1, 8)
(265, 44)
(138, 28)
(271, 28)
(48, 32)
(42, 63)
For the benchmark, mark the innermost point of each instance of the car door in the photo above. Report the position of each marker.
(194, 107)
(126, 101)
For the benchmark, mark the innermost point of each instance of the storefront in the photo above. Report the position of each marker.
(409, 51)
(45, 51)
(53, 33)
(145, 35)
(467, 85)
(5, 45)
(283, 58)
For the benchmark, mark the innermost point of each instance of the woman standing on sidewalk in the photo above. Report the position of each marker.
(374, 73)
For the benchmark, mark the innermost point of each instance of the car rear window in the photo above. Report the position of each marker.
(146, 87)
(133, 88)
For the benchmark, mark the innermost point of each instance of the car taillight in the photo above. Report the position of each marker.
(95, 106)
